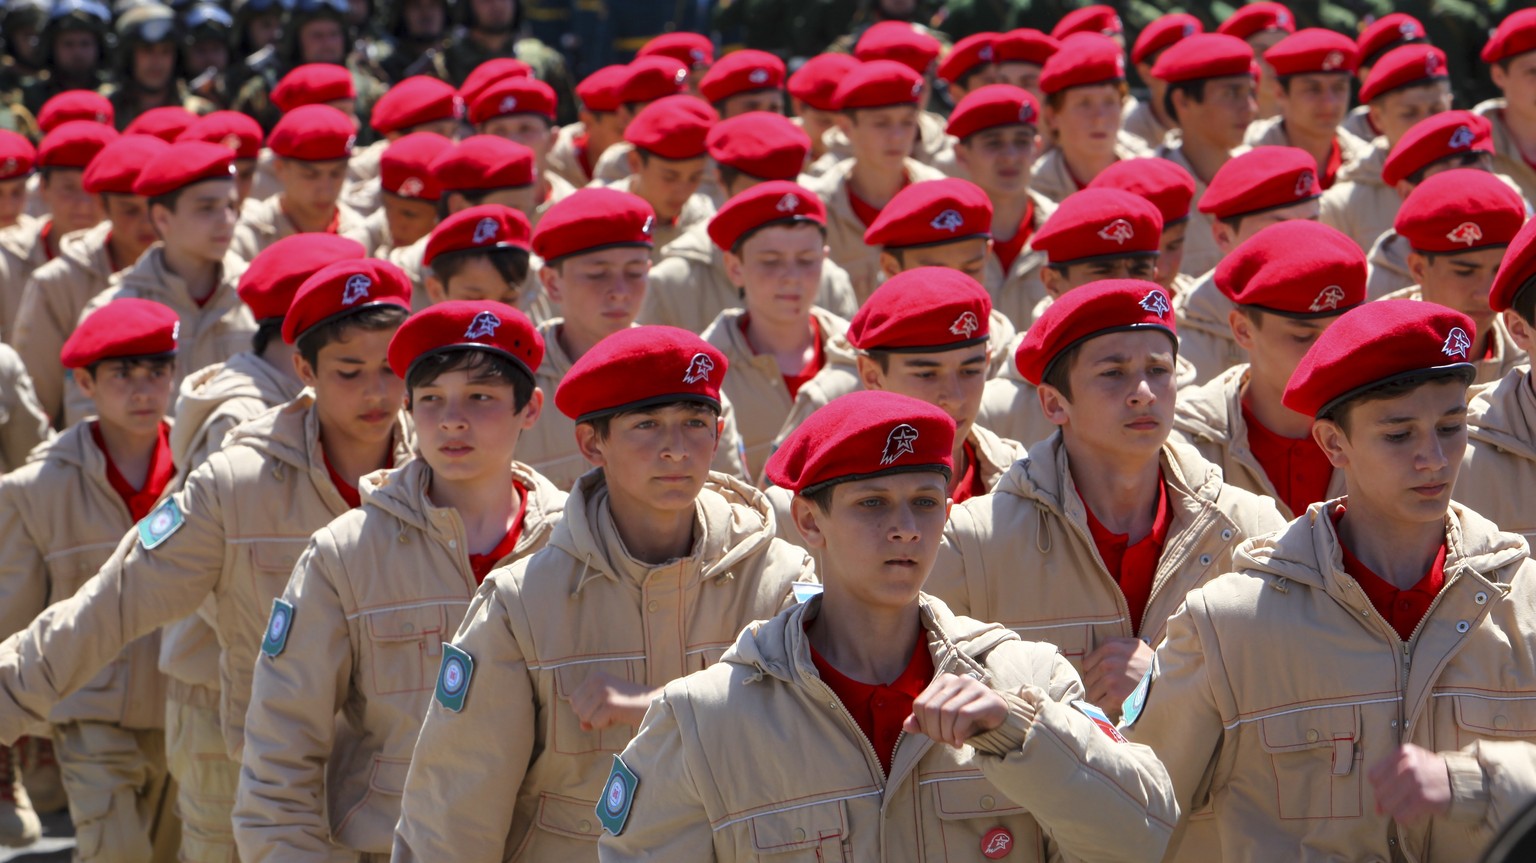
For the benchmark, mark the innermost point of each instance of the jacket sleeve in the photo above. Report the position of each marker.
(25, 425)
(667, 819)
(136, 591)
(948, 578)
(23, 577)
(454, 808)
(1492, 781)
(1097, 798)
(729, 455)
(40, 331)
(290, 724)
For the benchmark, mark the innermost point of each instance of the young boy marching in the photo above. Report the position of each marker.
(916, 733)
(60, 517)
(312, 144)
(370, 603)
(656, 566)
(1405, 738)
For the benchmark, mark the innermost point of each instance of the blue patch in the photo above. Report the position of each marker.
(453, 678)
(161, 522)
(618, 797)
(278, 627)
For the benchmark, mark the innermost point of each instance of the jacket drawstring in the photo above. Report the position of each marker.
(1042, 531)
(587, 574)
(1280, 583)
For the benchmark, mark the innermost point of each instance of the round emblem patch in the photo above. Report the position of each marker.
(279, 623)
(161, 522)
(453, 675)
(996, 844)
(615, 796)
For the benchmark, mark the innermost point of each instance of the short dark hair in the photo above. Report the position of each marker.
(728, 175)
(1469, 159)
(369, 319)
(603, 424)
(472, 197)
(1524, 304)
(1057, 99)
(821, 496)
(1341, 413)
(482, 366)
(511, 264)
(1059, 373)
(169, 200)
(157, 362)
(783, 223)
(1195, 90)
(881, 359)
(267, 330)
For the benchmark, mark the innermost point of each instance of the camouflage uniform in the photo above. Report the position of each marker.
(255, 98)
(460, 55)
(125, 108)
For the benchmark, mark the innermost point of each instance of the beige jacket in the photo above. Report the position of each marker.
(1389, 266)
(845, 233)
(612, 168)
(1506, 354)
(1059, 786)
(688, 287)
(1201, 254)
(1506, 151)
(562, 158)
(1023, 555)
(550, 446)
(210, 333)
(1360, 204)
(374, 597)
(50, 307)
(22, 252)
(373, 233)
(1210, 418)
(1016, 293)
(1500, 464)
(698, 211)
(1205, 335)
(263, 223)
(1280, 687)
(1051, 178)
(934, 147)
(362, 189)
(247, 513)
(537, 629)
(23, 425)
(1270, 132)
(59, 521)
(1137, 119)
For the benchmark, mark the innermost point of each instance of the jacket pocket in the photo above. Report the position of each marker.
(1478, 718)
(568, 737)
(404, 648)
(272, 562)
(1316, 756)
(975, 820)
(568, 816)
(816, 832)
(702, 656)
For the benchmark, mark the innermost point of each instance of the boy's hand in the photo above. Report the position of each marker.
(1411, 784)
(1112, 671)
(602, 701)
(953, 709)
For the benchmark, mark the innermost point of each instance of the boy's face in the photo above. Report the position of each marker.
(1089, 118)
(999, 159)
(655, 460)
(967, 256)
(130, 396)
(408, 219)
(600, 292)
(881, 137)
(666, 184)
(322, 41)
(476, 279)
(1025, 76)
(356, 393)
(757, 100)
(1275, 346)
(780, 270)
(13, 201)
(1316, 103)
(467, 427)
(1397, 112)
(878, 537)
(1461, 281)
(1518, 82)
(245, 175)
(1228, 239)
(311, 186)
(1122, 394)
(203, 222)
(953, 380)
(816, 122)
(1170, 259)
(129, 215)
(530, 130)
(1223, 115)
(1402, 454)
(1074, 275)
(69, 206)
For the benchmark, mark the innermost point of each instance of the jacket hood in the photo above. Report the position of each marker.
(290, 433)
(1503, 415)
(1204, 411)
(1391, 254)
(693, 245)
(1367, 169)
(150, 279)
(73, 446)
(1205, 308)
(402, 493)
(244, 375)
(88, 249)
(1041, 475)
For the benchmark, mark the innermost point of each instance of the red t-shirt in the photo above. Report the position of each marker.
(881, 710)
(482, 564)
(583, 157)
(161, 470)
(1331, 171)
(1401, 608)
(868, 212)
(43, 235)
(1133, 566)
(349, 492)
(1008, 251)
(970, 484)
(794, 382)
(1297, 467)
(333, 228)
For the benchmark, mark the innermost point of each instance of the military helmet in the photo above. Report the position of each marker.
(206, 21)
(19, 15)
(302, 12)
(67, 15)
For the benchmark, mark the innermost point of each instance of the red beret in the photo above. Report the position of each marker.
(599, 91)
(1085, 59)
(694, 49)
(492, 71)
(514, 96)
(1263, 178)
(177, 166)
(1298, 269)
(482, 228)
(1517, 269)
(1256, 18)
(71, 105)
(1095, 309)
(772, 203)
(1386, 33)
(1164, 32)
(405, 167)
(1098, 223)
(1516, 34)
(483, 162)
(313, 84)
(126, 327)
(1404, 67)
(743, 71)
(1168, 186)
(113, 169)
(967, 55)
(1026, 46)
(1313, 50)
(237, 131)
(74, 144)
(760, 144)
(900, 42)
(1101, 20)
(878, 84)
(1441, 136)
(1460, 210)
(1374, 344)
(1203, 56)
(864, 434)
(166, 123)
(268, 285)
(992, 106)
(476, 325)
(815, 83)
(672, 127)
(416, 100)
(923, 310)
(343, 288)
(931, 213)
(17, 155)
(647, 79)
(592, 219)
(639, 367)
(314, 133)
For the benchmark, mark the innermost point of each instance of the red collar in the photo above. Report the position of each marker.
(333, 228)
(1008, 251)
(1335, 161)
(583, 156)
(349, 492)
(482, 564)
(43, 235)
(794, 382)
(1133, 566)
(1297, 467)
(865, 211)
(878, 709)
(1403, 609)
(161, 470)
(970, 484)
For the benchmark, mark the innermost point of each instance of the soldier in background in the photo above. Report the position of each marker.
(494, 28)
(316, 32)
(253, 41)
(145, 66)
(74, 51)
(206, 30)
(415, 36)
(21, 23)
